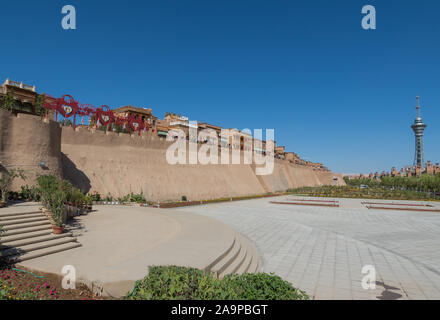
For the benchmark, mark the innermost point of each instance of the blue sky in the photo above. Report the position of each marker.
(333, 92)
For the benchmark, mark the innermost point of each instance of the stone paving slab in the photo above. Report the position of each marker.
(323, 249)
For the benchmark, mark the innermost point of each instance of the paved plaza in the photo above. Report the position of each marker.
(118, 243)
(322, 249)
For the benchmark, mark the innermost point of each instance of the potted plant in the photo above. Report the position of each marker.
(88, 203)
(57, 205)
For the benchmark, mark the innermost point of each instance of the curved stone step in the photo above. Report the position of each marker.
(253, 267)
(27, 235)
(246, 263)
(22, 221)
(238, 261)
(201, 243)
(43, 252)
(30, 240)
(24, 231)
(248, 259)
(220, 257)
(36, 246)
(229, 258)
(27, 225)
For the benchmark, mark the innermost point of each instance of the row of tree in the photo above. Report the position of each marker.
(426, 182)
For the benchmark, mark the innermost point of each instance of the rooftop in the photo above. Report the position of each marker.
(146, 111)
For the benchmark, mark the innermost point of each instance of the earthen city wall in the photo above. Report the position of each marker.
(118, 164)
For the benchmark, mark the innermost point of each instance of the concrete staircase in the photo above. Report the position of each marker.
(28, 235)
(241, 257)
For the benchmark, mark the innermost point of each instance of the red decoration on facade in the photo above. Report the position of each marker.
(67, 106)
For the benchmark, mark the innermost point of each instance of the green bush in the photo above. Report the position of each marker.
(47, 184)
(138, 198)
(95, 196)
(125, 198)
(35, 193)
(171, 283)
(25, 192)
(88, 200)
(184, 198)
(30, 193)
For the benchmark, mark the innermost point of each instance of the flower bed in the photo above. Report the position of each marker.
(21, 284)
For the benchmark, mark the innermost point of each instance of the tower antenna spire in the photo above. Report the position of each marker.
(418, 106)
(418, 128)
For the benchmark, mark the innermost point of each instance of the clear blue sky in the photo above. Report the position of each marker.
(334, 92)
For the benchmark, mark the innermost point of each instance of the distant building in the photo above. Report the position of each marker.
(162, 128)
(142, 113)
(25, 96)
(280, 152)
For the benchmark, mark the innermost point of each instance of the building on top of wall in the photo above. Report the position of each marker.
(204, 125)
(216, 129)
(280, 152)
(172, 117)
(25, 95)
(143, 113)
(237, 140)
(162, 128)
(177, 123)
(291, 157)
(259, 146)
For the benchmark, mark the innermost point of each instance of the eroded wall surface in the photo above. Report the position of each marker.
(118, 164)
(25, 142)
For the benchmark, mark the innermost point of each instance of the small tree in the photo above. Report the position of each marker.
(56, 206)
(6, 181)
(47, 185)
